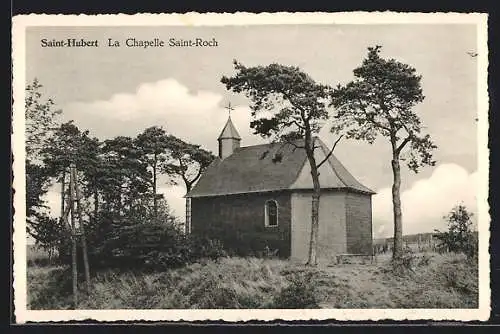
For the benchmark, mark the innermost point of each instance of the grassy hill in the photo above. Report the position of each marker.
(432, 281)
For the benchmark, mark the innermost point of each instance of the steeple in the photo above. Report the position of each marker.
(229, 139)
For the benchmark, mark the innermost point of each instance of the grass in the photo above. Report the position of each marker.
(435, 281)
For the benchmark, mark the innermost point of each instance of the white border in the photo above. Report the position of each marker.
(20, 23)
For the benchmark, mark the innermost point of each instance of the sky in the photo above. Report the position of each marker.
(121, 91)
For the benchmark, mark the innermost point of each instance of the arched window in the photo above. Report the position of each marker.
(271, 212)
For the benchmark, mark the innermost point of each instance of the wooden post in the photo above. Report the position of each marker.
(82, 229)
(73, 239)
(63, 198)
(63, 189)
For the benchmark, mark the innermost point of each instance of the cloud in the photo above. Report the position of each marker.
(53, 201)
(174, 196)
(426, 202)
(152, 98)
(197, 117)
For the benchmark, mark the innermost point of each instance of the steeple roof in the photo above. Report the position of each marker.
(229, 131)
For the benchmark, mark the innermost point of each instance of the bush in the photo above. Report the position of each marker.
(406, 264)
(203, 247)
(128, 244)
(259, 243)
(459, 238)
(300, 294)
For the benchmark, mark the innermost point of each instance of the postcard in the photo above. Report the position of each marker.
(251, 166)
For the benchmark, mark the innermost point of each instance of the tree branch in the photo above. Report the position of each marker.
(197, 176)
(371, 118)
(294, 145)
(181, 165)
(329, 153)
(298, 125)
(302, 110)
(403, 143)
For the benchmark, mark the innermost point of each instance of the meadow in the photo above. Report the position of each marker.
(426, 280)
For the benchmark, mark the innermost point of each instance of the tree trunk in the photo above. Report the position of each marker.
(86, 266)
(73, 241)
(187, 228)
(187, 223)
(96, 202)
(313, 243)
(63, 189)
(397, 250)
(155, 201)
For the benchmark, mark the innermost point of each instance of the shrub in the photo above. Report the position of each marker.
(424, 260)
(459, 237)
(129, 244)
(203, 247)
(300, 294)
(238, 242)
(406, 264)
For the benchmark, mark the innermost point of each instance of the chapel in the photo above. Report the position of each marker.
(259, 197)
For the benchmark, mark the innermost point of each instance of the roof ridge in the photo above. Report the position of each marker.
(267, 144)
(299, 171)
(323, 146)
(357, 184)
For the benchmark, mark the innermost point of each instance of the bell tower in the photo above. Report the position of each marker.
(229, 139)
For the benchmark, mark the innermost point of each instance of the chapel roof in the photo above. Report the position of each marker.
(229, 131)
(257, 169)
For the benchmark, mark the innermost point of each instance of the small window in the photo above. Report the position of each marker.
(271, 213)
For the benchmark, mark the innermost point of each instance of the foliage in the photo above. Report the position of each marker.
(41, 118)
(459, 237)
(296, 102)
(117, 179)
(405, 264)
(69, 145)
(49, 233)
(186, 161)
(124, 181)
(153, 144)
(287, 106)
(299, 294)
(138, 245)
(202, 247)
(244, 242)
(380, 101)
(37, 183)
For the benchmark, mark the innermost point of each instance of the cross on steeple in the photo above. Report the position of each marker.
(229, 108)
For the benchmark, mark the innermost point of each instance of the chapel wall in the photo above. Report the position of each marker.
(359, 223)
(239, 220)
(332, 225)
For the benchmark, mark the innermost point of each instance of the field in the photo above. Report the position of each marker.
(429, 280)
